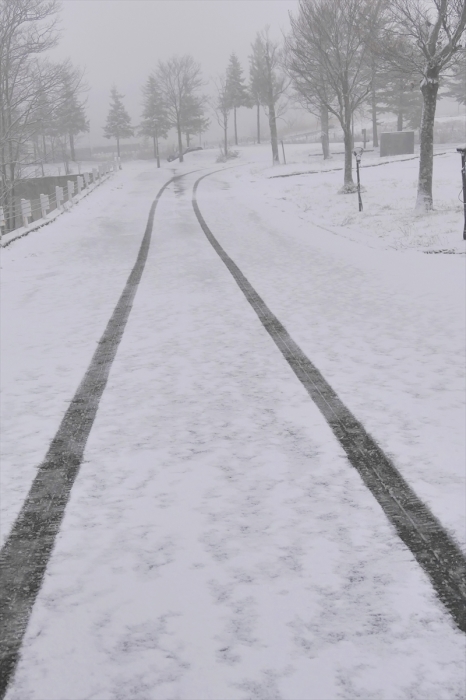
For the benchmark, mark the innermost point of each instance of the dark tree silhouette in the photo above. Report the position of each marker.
(236, 88)
(179, 79)
(154, 116)
(70, 117)
(257, 85)
(118, 124)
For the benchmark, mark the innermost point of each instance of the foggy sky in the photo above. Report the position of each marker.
(121, 41)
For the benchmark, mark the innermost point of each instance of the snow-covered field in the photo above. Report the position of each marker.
(217, 544)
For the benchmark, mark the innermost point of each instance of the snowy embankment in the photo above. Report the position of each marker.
(217, 544)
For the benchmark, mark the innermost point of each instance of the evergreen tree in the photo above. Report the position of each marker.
(455, 81)
(118, 124)
(257, 83)
(154, 116)
(222, 108)
(193, 120)
(70, 117)
(402, 97)
(236, 88)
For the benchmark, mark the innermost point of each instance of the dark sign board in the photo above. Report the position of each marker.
(396, 143)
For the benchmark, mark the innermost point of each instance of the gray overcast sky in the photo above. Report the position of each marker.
(120, 41)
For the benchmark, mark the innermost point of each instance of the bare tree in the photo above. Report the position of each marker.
(179, 79)
(328, 59)
(424, 37)
(27, 83)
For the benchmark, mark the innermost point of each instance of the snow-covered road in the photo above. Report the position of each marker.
(217, 543)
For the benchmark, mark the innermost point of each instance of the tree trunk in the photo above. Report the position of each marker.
(236, 130)
(273, 132)
(187, 139)
(157, 154)
(399, 121)
(399, 116)
(180, 143)
(348, 185)
(325, 137)
(44, 154)
(118, 146)
(155, 146)
(375, 138)
(429, 90)
(72, 151)
(348, 139)
(258, 123)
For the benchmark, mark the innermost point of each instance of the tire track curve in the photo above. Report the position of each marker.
(433, 548)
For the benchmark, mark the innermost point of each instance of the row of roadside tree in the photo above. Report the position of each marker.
(41, 110)
(339, 56)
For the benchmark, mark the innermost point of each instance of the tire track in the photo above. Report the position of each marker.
(431, 545)
(27, 550)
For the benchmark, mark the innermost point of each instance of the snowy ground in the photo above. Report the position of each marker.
(217, 544)
(389, 187)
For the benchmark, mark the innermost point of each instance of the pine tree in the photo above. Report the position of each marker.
(222, 108)
(402, 97)
(455, 81)
(236, 88)
(154, 116)
(193, 120)
(118, 124)
(70, 117)
(257, 84)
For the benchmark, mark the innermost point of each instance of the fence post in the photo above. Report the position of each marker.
(59, 196)
(70, 186)
(25, 210)
(86, 179)
(2, 221)
(94, 175)
(80, 183)
(44, 204)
